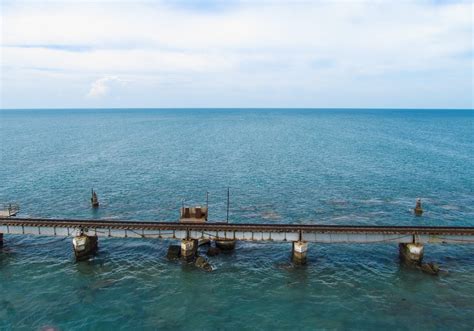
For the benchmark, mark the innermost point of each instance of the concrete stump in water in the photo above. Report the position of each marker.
(418, 210)
(299, 252)
(411, 253)
(94, 199)
(84, 246)
(189, 249)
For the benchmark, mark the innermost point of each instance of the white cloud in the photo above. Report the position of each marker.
(267, 46)
(101, 87)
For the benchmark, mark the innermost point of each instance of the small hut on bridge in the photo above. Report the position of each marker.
(197, 214)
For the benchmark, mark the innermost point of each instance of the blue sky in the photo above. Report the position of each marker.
(388, 54)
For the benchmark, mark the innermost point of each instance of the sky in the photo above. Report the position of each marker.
(207, 53)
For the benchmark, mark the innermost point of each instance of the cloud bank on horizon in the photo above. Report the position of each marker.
(126, 53)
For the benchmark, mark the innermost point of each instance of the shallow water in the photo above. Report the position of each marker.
(300, 166)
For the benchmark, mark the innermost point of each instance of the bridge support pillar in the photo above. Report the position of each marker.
(84, 246)
(411, 253)
(225, 244)
(1, 240)
(299, 252)
(189, 248)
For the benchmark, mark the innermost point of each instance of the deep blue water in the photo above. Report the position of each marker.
(286, 165)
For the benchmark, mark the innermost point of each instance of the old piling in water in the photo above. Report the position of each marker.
(299, 252)
(94, 199)
(1, 240)
(189, 249)
(84, 246)
(411, 253)
(418, 210)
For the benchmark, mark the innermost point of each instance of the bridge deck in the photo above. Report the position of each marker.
(236, 231)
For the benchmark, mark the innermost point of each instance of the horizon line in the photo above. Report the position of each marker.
(236, 108)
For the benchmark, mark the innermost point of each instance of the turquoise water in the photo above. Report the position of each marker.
(285, 165)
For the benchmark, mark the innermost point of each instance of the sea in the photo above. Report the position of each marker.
(300, 166)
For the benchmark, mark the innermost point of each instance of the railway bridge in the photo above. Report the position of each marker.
(85, 233)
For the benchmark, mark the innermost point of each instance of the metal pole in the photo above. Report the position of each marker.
(228, 202)
(207, 205)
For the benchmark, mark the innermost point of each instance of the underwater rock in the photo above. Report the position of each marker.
(203, 264)
(430, 268)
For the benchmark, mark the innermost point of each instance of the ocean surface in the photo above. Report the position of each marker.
(282, 166)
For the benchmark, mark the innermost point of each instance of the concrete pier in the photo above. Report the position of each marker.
(299, 252)
(84, 246)
(189, 248)
(411, 252)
